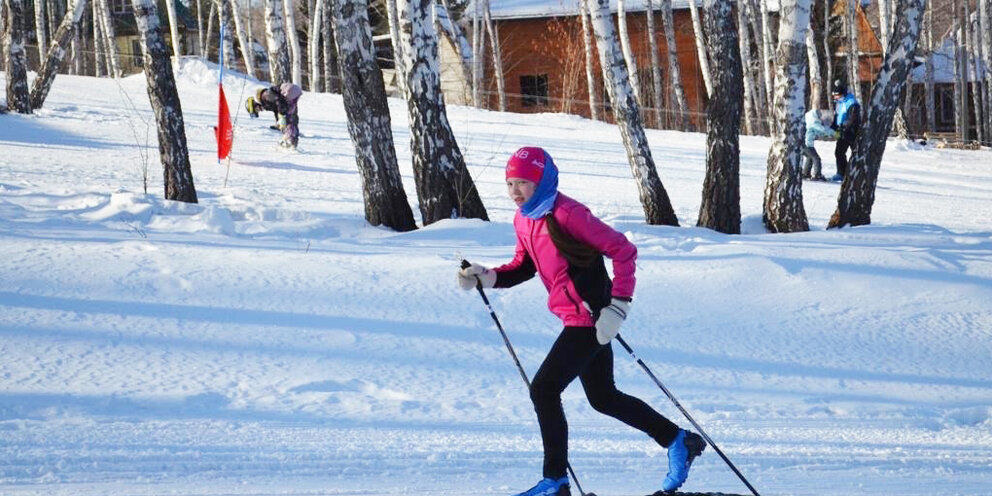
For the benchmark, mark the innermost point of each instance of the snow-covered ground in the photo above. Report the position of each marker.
(267, 341)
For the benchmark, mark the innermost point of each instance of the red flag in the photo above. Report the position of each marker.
(223, 132)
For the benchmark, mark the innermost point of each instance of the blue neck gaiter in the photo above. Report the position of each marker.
(546, 193)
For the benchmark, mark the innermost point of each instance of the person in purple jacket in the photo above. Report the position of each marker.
(562, 242)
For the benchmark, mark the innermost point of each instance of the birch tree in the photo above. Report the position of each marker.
(296, 62)
(399, 54)
(365, 103)
(853, 50)
(107, 25)
(654, 199)
(857, 193)
(478, 51)
(56, 54)
(815, 82)
(971, 73)
(331, 78)
(313, 45)
(165, 103)
(170, 9)
(39, 28)
(681, 111)
(720, 209)
(453, 32)
(783, 202)
(929, 96)
(15, 59)
(244, 37)
(497, 57)
(751, 115)
(985, 28)
(655, 67)
(444, 186)
(701, 55)
(628, 52)
(590, 73)
(275, 39)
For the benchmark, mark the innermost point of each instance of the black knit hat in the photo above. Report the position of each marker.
(839, 87)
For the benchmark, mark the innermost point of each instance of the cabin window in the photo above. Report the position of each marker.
(534, 90)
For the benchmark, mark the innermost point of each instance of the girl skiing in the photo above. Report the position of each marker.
(560, 240)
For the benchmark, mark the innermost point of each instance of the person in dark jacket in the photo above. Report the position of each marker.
(281, 100)
(562, 242)
(846, 125)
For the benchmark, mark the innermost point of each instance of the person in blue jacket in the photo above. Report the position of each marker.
(847, 124)
(815, 128)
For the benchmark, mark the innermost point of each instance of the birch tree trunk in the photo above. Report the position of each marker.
(244, 38)
(170, 8)
(854, 52)
(106, 21)
(165, 103)
(332, 82)
(857, 193)
(768, 62)
(815, 82)
(275, 38)
(444, 186)
(590, 72)
(928, 82)
(744, 47)
(39, 28)
(704, 63)
(56, 54)
(399, 54)
(99, 42)
(883, 24)
(453, 32)
(313, 45)
(985, 14)
(655, 67)
(654, 199)
(972, 77)
(294, 42)
(720, 209)
(15, 59)
(224, 23)
(497, 56)
(783, 205)
(364, 96)
(3, 37)
(674, 68)
(960, 126)
(827, 54)
(478, 54)
(199, 29)
(211, 16)
(628, 53)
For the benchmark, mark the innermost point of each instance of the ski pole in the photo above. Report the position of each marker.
(684, 412)
(520, 368)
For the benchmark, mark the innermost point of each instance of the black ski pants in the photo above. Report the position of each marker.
(577, 353)
(844, 144)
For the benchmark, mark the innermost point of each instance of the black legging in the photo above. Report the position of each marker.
(840, 153)
(576, 353)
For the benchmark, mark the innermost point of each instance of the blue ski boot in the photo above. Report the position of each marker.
(549, 487)
(686, 447)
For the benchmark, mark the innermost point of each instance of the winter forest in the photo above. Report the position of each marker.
(762, 66)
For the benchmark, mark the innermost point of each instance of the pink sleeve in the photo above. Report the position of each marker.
(587, 228)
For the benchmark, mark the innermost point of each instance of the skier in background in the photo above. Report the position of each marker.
(560, 240)
(847, 124)
(815, 128)
(280, 100)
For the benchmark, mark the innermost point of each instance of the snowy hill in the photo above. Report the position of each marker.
(266, 341)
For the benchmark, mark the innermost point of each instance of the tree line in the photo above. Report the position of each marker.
(752, 78)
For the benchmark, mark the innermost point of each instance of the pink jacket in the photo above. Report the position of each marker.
(575, 294)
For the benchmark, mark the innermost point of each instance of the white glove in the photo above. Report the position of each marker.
(610, 319)
(475, 272)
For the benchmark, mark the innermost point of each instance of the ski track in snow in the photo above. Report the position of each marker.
(266, 341)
